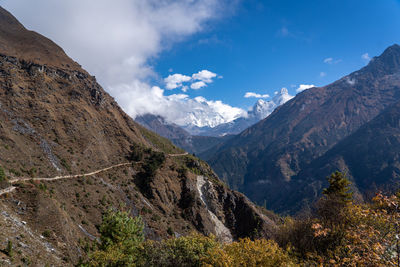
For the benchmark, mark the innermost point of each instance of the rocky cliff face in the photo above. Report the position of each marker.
(56, 120)
(263, 160)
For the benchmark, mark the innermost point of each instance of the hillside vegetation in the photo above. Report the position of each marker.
(338, 233)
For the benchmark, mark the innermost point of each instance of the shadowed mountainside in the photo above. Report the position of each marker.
(264, 159)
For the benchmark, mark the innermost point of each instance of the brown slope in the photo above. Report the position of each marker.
(18, 42)
(370, 157)
(262, 160)
(49, 99)
(55, 119)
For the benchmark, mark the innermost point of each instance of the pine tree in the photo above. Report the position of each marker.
(338, 188)
(337, 197)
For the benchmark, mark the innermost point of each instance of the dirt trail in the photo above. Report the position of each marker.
(7, 190)
(177, 155)
(22, 179)
(16, 180)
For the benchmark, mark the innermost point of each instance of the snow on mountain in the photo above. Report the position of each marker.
(259, 111)
(263, 108)
(200, 116)
(200, 112)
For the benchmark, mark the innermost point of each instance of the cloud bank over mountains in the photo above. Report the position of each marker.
(177, 108)
(117, 40)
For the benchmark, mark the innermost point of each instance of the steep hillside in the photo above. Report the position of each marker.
(57, 121)
(263, 159)
(370, 157)
(15, 40)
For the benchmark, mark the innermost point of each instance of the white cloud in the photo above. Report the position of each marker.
(255, 95)
(198, 85)
(365, 57)
(303, 87)
(198, 80)
(176, 80)
(177, 108)
(331, 61)
(204, 76)
(322, 74)
(117, 40)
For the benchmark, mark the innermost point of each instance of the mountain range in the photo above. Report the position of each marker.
(197, 140)
(350, 125)
(194, 144)
(259, 111)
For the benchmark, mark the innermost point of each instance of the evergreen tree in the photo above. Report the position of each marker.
(119, 227)
(338, 188)
(121, 239)
(337, 197)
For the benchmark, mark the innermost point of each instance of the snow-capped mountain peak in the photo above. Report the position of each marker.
(263, 108)
(213, 118)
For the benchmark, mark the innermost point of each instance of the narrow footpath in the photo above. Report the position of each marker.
(23, 179)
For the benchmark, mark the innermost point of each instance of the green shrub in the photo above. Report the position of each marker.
(121, 238)
(46, 233)
(2, 174)
(192, 250)
(153, 163)
(260, 252)
(136, 153)
(65, 165)
(9, 249)
(119, 227)
(144, 178)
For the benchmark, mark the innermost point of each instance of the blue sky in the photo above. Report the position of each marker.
(267, 45)
(131, 46)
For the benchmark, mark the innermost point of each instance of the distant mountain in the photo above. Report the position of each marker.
(198, 140)
(370, 157)
(181, 138)
(268, 160)
(259, 111)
